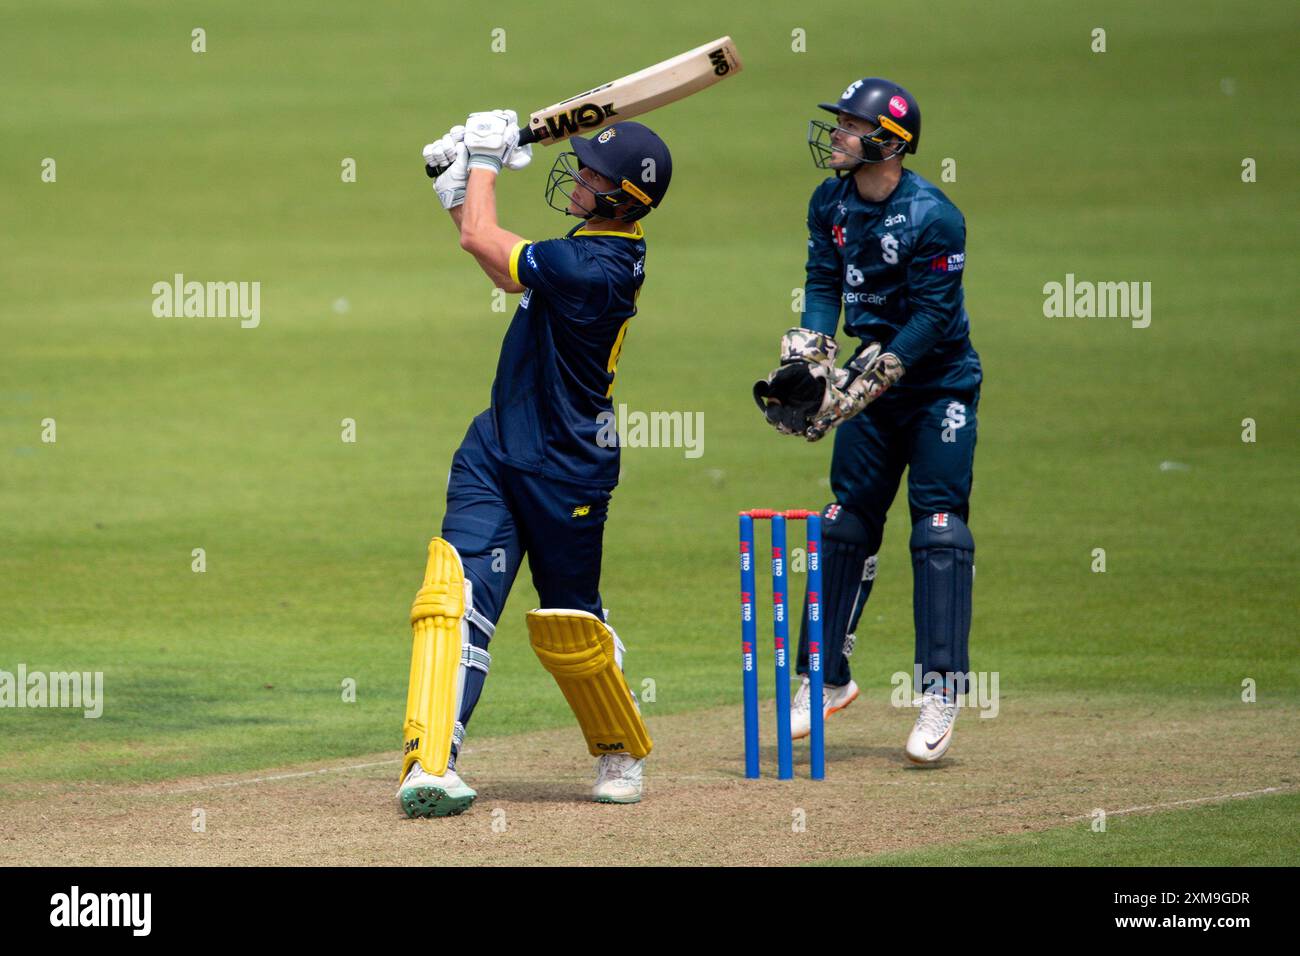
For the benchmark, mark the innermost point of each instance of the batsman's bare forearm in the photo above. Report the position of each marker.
(500, 280)
(481, 236)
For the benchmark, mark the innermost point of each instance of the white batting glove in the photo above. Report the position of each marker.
(520, 157)
(441, 153)
(450, 186)
(490, 138)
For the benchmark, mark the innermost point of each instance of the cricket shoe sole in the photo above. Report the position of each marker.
(424, 795)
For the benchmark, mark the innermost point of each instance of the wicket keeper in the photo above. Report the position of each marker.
(889, 248)
(531, 476)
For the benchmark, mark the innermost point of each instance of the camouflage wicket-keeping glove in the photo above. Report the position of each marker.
(795, 393)
(870, 373)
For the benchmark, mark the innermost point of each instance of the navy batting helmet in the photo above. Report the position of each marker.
(892, 111)
(627, 153)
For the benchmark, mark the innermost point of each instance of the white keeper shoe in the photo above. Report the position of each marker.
(833, 699)
(618, 779)
(932, 732)
(426, 795)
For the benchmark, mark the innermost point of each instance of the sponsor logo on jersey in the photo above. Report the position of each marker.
(581, 511)
(837, 233)
(898, 106)
(865, 298)
(953, 263)
(895, 220)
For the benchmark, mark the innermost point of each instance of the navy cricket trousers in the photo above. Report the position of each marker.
(496, 514)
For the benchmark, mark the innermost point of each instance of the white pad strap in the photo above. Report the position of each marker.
(475, 657)
(478, 620)
(619, 649)
(471, 657)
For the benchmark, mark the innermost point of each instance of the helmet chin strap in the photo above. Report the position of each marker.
(870, 149)
(595, 198)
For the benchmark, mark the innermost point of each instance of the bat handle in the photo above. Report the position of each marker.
(526, 135)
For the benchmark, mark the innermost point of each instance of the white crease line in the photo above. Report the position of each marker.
(285, 776)
(1182, 803)
(696, 778)
(693, 778)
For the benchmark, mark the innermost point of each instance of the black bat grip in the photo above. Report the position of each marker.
(526, 135)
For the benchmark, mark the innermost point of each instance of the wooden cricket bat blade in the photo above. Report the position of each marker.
(635, 94)
(632, 95)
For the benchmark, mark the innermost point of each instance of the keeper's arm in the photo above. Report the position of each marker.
(824, 282)
(933, 290)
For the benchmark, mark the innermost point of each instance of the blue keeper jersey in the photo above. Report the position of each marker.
(896, 269)
(556, 372)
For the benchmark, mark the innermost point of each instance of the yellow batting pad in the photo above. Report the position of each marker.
(433, 692)
(578, 649)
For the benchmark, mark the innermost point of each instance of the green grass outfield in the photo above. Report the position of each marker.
(1252, 832)
(176, 434)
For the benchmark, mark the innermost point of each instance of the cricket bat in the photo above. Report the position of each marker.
(632, 95)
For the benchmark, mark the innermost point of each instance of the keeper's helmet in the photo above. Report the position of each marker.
(889, 108)
(627, 153)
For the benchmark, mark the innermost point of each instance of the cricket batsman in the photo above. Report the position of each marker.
(889, 248)
(531, 476)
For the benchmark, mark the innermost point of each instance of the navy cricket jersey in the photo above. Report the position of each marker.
(896, 266)
(556, 372)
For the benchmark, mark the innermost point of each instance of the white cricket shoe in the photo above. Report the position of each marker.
(932, 732)
(618, 779)
(833, 699)
(426, 795)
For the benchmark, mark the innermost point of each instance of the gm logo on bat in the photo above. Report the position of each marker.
(583, 116)
(719, 60)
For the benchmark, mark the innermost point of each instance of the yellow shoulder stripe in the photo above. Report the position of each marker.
(514, 259)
